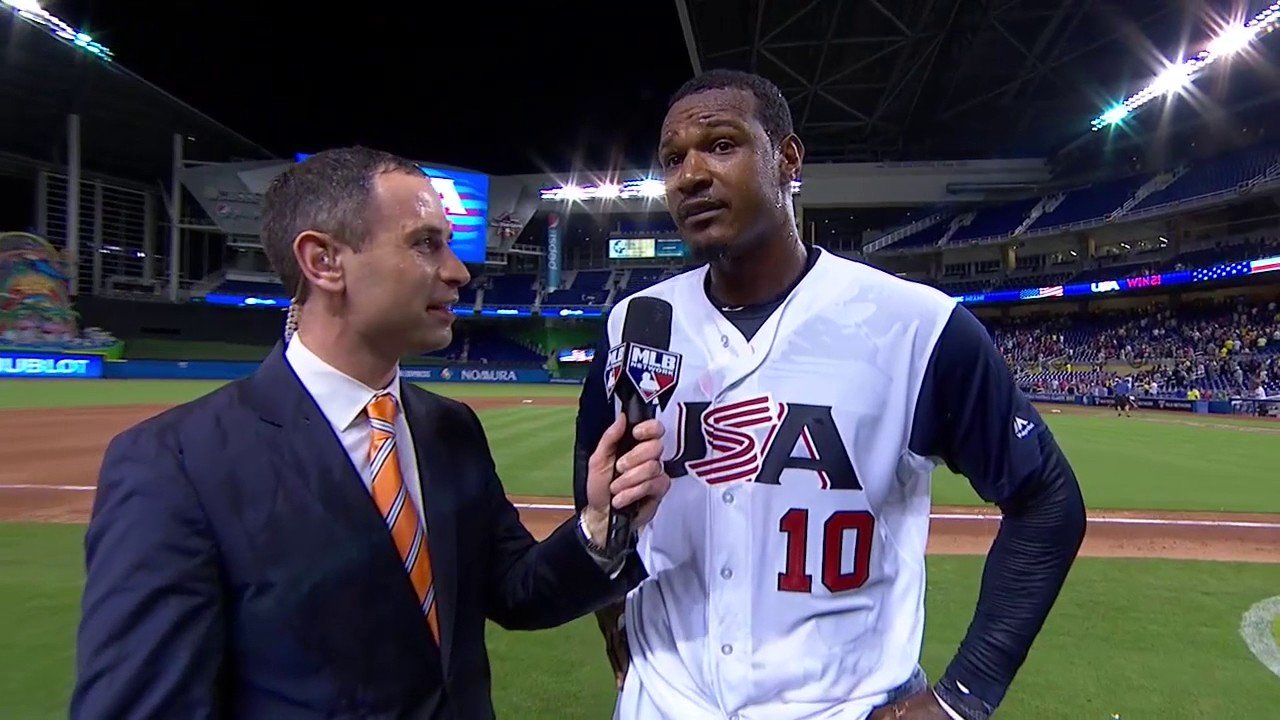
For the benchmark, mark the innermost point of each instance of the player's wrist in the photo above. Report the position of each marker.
(959, 703)
(950, 711)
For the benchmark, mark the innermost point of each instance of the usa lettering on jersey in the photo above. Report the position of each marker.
(756, 440)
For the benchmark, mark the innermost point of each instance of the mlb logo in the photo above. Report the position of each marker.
(653, 372)
(613, 368)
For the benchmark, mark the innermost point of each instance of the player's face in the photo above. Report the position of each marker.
(400, 285)
(727, 184)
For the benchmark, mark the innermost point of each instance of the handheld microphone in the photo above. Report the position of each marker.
(642, 374)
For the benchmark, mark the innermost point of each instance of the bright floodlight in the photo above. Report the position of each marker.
(1174, 78)
(647, 189)
(30, 6)
(1232, 40)
(652, 188)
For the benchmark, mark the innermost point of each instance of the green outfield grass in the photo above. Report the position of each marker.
(1144, 639)
(1123, 463)
(1139, 638)
(21, 394)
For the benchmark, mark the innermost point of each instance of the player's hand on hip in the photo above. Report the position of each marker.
(923, 705)
(641, 479)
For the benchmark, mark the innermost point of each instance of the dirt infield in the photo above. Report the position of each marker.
(49, 460)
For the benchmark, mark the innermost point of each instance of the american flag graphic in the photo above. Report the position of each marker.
(1044, 292)
(466, 204)
(1265, 265)
(1219, 272)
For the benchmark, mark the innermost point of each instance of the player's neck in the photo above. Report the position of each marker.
(760, 274)
(346, 352)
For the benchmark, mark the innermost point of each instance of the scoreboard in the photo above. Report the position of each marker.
(645, 248)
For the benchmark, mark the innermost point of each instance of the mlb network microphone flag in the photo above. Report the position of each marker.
(651, 371)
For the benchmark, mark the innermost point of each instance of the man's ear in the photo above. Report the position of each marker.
(790, 158)
(319, 260)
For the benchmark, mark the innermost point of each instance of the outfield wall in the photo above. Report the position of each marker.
(1216, 407)
(49, 365)
(36, 365)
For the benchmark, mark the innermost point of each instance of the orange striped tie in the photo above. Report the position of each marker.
(397, 508)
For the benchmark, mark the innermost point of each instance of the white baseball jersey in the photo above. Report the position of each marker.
(786, 565)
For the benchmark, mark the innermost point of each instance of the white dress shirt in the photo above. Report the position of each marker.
(342, 399)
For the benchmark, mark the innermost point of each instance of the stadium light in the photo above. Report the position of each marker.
(1230, 41)
(31, 11)
(643, 189)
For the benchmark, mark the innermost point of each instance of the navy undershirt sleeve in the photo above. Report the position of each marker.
(972, 416)
(595, 415)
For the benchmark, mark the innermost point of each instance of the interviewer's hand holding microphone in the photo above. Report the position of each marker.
(637, 485)
(623, 492)
(625, 477)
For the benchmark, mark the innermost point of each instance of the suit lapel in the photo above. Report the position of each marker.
(435, 469)
(312, 461)
(311, 454)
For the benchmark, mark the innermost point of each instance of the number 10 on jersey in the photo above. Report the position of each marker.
(839, 528)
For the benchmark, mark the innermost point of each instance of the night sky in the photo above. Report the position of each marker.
(497, 87)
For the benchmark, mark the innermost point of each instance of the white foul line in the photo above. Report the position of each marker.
(1133, 521)
(1255, 628)
(67, 488)
(542, 506)
(1172, 522)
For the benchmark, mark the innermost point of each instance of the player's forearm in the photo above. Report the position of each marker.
(1026, 567)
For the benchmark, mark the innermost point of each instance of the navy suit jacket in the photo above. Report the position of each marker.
(238, 568)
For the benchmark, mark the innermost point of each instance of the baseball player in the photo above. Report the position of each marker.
(786, 571)
(1123, 392)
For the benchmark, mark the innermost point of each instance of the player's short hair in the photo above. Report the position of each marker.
(329, 193)
(772, 109)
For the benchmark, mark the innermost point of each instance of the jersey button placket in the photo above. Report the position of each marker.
(727, 497)
(731, 605)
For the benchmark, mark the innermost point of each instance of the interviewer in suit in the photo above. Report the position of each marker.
(259, 552)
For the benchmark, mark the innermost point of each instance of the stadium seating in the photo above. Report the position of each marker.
(1094, 203)
(1224, 349)
(511, 290)
(1219, 175)
(1000, 220)
(480, 344)
(587, 287)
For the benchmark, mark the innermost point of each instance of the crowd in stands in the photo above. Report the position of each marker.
(1203, 350)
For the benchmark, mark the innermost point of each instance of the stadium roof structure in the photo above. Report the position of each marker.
(48, 71)
(884, 80)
